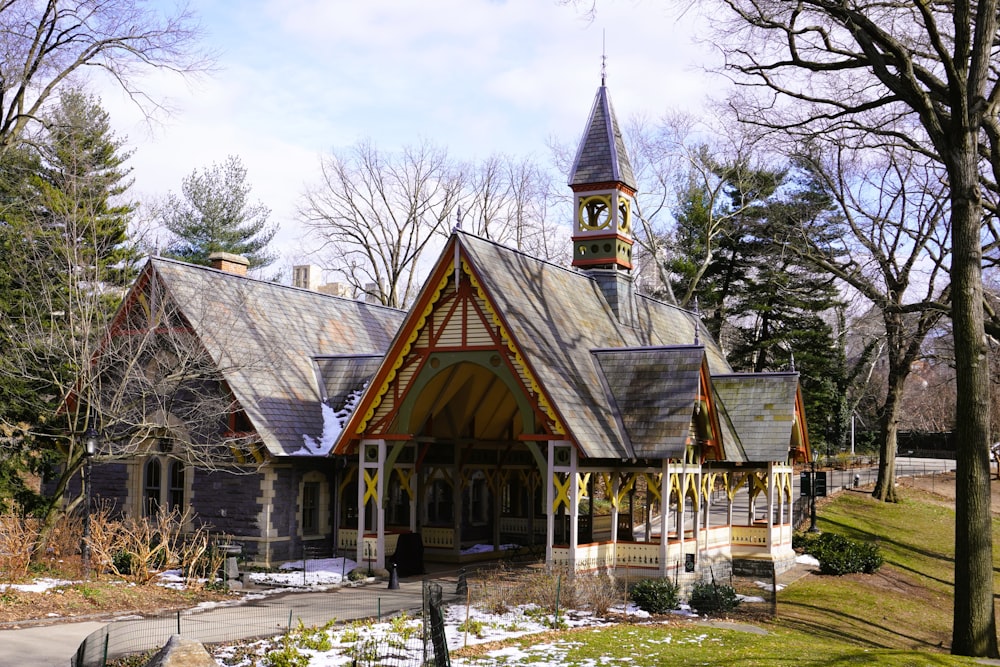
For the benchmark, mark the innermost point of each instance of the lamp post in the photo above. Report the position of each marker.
(812, 492)
(90, 441)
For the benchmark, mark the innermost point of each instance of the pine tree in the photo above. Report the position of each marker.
(66, 261)
(214, 214)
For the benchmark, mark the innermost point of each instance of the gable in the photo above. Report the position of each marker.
(766, 411)
(664, 401)
(452, 357)
(262, 338)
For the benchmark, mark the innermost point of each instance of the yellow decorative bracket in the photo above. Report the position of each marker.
(405, 475)
(371, 487)
(562, 491)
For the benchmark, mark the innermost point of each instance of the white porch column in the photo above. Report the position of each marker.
(696, 514)
(550, 497)
(616, 485)
(770, 505)
(574, 508)
(362, 469)
(681, 510)
(380, 486)
(664, 512)
(371, 486)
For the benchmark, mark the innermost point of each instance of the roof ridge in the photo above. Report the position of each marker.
(260, 281)
(651, 348)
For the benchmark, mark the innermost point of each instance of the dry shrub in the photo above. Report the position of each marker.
(66, 537)
(137, 548)
(202, 556)
(597, 592)
(18, 535)
(499, 590)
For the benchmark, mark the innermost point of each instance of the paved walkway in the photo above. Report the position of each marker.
(55, 645)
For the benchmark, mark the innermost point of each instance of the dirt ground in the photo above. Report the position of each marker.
(942, 486)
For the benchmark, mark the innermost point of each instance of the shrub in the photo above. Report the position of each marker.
(802, 541)
(657, 596)
(840, 555)
(708, 597)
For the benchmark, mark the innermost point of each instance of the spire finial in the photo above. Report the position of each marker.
(604, 57)
(697, 323)
(791, 360)
(458, 219)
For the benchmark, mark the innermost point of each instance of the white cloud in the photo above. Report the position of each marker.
(297, 78)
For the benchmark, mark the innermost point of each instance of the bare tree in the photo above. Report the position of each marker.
(45, 43)
(509, 200)
(862, 65)
(889, 243)
(375, 213)
(680, 161)
(157, 386)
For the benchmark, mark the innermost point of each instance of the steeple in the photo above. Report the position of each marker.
(604, 187)
(604, 199)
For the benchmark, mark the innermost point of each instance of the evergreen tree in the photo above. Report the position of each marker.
(763, 304)
(66, 261)
(214, 214)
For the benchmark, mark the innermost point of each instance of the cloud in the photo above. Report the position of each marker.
(297, 78)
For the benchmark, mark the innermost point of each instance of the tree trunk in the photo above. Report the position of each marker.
(974, 629)
(885, 485)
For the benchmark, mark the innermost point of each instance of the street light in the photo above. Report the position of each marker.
(812, 492)
(90, 442)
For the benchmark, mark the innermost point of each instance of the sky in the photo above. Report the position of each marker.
(295, 79)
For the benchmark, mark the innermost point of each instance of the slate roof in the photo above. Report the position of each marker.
(264, 336)
(654, 391)
(762, 409)
(601, 156)
(558, 316)
(342, 376)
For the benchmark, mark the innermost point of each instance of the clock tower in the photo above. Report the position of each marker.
(603, 193)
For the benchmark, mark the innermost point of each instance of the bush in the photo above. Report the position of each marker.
(802, 541)
(657, 596)
(711, 597)
(840, 555)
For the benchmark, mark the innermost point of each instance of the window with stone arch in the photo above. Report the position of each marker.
(314, 505)
(166, 484)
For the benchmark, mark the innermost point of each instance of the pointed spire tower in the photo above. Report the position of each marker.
(604, 198)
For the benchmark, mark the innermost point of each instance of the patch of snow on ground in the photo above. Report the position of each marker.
(806, 559)
(318, 572)
(37, 586)
(486, 548)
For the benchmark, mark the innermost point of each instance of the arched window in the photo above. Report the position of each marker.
(175, 498)
(151, 488)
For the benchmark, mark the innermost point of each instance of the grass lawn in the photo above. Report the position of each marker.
(898, 616)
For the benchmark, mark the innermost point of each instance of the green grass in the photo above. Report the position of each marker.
(690, 644)
(898, 616)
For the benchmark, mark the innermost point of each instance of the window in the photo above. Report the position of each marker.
(161, 483)
(175, 498)
(398, 508)
(310, 508)
(439, 503)
(477, 501)
(151, 488)
(314, 505)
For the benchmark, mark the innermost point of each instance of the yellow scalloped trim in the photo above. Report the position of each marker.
(540, 398)
(401, 357)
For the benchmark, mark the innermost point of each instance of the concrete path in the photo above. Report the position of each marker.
(56, 645)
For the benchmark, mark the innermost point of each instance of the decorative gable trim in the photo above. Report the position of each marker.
(445, 324)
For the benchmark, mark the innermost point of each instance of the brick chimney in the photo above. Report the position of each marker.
(230, 263)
